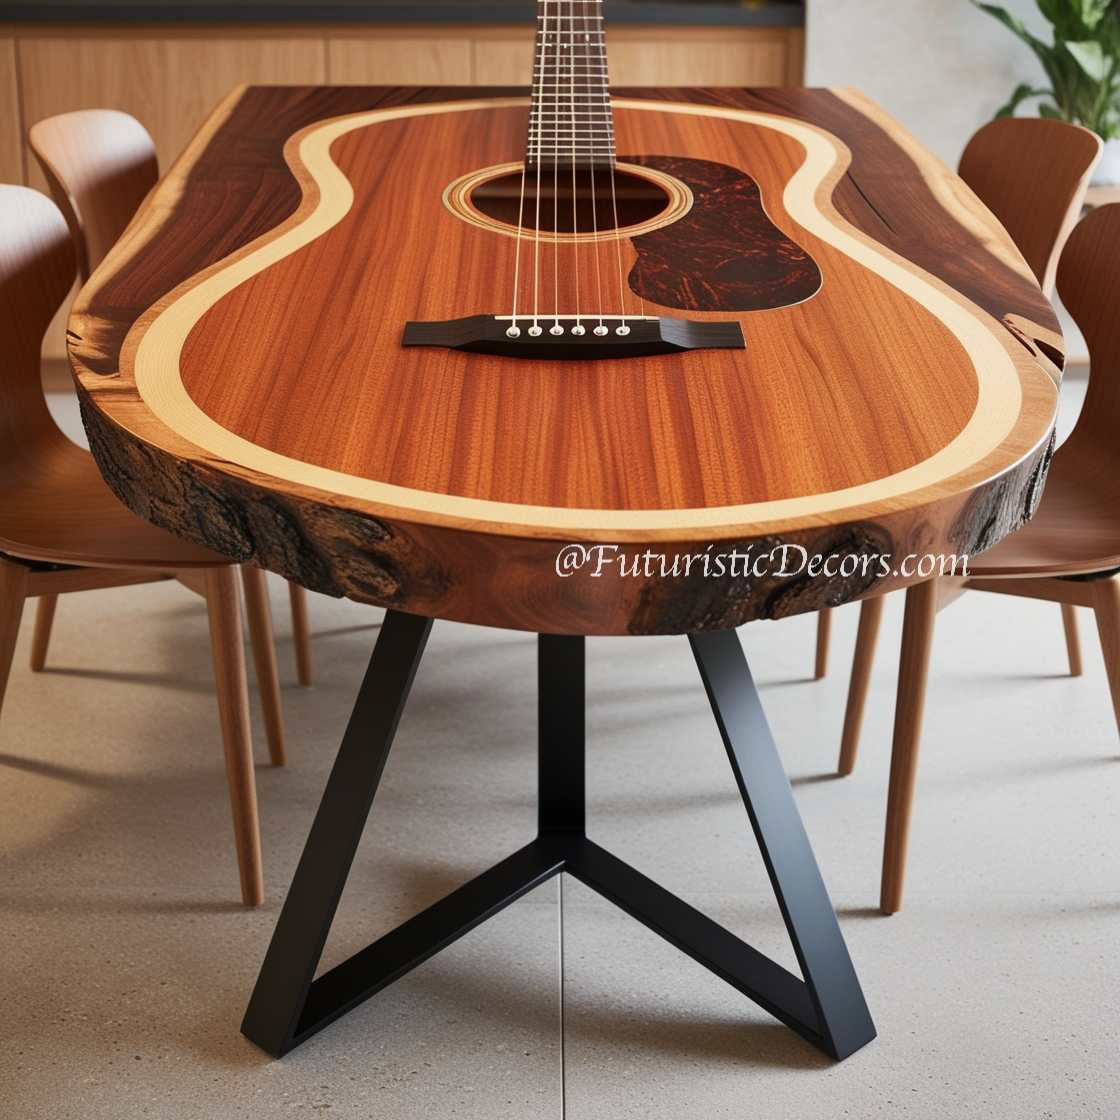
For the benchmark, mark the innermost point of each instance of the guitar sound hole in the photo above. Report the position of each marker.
(636, 199)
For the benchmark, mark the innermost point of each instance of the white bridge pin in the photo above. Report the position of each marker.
(600, 330)
(535, 331)
(623, 330)
(556, 329)
(513, 332)
(579, 329)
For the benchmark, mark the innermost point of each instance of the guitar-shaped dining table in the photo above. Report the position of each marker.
(333, 343)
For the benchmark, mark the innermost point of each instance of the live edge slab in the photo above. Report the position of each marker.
(936, 438)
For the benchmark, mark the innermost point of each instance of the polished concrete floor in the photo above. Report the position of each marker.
(126, 960)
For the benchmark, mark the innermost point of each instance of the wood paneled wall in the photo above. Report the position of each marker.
(11, 157)
(170, 77)
(170, 85)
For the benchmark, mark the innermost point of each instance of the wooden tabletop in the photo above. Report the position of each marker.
(242, 380)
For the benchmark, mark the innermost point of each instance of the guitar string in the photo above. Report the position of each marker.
(514, 329)
(578, 329)
(600, 329)
(636, 272)
(622, 328)
(535, 329)
(556, 328)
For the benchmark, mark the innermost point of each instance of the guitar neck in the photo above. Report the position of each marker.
(570, 122)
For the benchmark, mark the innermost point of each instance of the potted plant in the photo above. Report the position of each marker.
(1082, 65)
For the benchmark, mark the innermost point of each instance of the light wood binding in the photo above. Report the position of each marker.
(1033, 175)
(100, 164)
(61, 528)
(426, 523)
(1075, 533)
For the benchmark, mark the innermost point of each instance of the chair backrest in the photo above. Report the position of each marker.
(99, 163)
(36, 272)
(1089, 284)
(1032, 173)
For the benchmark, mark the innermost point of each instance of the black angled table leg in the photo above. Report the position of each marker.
(561, 707)
(844, 1020)
(273, 1015)
(289, 1005)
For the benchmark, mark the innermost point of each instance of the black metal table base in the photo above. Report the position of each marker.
(289, 1004)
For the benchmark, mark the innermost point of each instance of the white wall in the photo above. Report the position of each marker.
(942, 67)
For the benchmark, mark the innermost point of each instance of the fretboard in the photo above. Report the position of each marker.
(570, 120)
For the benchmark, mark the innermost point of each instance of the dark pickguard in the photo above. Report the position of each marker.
(725, 254)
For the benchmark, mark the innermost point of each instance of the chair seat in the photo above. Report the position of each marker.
(1074, 532)
(62, 512)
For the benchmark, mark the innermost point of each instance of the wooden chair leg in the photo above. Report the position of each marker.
(913, 670)
(1106, 607)
(1073, 640)
(870, 615)
(824, 632)
(41, 636)
(301, 632)
(13, 594)
(224, 608)
(264, 659)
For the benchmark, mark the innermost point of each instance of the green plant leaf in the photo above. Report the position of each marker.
(1092, 12)
(1022, 92)
(1014, 24)
(1091, 57)
(1074, 19)
(1082, 64)
(1050, 56)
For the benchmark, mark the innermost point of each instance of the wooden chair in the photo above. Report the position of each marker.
(1069, 553)
(1032, 174)
(100, 164)
(62, 530)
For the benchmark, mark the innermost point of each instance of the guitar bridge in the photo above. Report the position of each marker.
(572, 338)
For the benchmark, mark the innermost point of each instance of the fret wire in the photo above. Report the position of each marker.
(570, 62)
